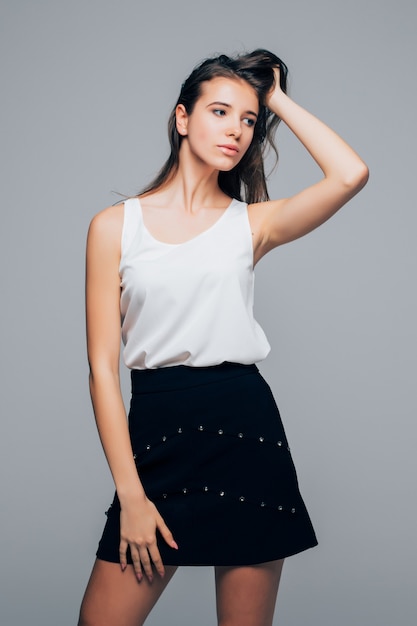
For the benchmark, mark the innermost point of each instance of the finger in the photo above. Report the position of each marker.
(156, 559)
(277, 76)
(146, 562)
(122, 555)
(136, 563)
(166, 533)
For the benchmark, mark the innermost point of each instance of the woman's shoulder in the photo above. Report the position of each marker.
(109, 216)
(107, 224)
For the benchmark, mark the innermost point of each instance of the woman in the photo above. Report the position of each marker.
(202, 470)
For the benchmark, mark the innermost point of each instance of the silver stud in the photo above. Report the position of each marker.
(221, 493)
(263, 504)
(261, 439)
(164, 438)
(292, 510)
(280, 508)
(201, 428)
(242, 498)
(220, 431)
(240, 435)
(205, 488)
(164, 495)
(185, 490)
(148, 447)
(135, 457)
(279, 444)
(179, 430)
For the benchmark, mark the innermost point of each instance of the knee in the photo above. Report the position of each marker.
(238, 621)
(83, 620)
(87, 619)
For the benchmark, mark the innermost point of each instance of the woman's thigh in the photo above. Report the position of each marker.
(246, 595)
(117, 598)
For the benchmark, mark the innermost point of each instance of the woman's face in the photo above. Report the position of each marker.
(220, 128)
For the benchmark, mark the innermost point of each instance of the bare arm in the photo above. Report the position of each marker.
(279, 221)
(139, 517)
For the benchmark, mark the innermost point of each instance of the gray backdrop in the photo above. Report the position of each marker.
(87, 86)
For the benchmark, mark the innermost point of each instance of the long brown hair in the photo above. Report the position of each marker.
(247, 180)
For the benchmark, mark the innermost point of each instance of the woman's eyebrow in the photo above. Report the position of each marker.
(225, 104)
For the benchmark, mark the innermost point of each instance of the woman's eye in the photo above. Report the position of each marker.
(249, 121)
(219, 112)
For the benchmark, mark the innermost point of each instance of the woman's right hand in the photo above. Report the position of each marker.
(139, 519)
(139, 522)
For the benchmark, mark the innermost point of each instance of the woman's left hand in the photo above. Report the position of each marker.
(275, 92)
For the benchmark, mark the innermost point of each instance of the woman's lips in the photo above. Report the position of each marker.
(229, 149)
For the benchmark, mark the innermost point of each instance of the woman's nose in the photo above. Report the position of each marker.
(234, 130)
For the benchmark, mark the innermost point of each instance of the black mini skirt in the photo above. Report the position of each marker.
(212, 454)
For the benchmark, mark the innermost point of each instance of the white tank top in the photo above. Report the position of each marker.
(189, 303)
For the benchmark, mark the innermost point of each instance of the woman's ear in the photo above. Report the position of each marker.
(181, 119)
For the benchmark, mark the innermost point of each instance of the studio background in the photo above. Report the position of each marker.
(87, 87)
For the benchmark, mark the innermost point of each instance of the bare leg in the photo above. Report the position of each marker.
(246, 595)
(116, 598)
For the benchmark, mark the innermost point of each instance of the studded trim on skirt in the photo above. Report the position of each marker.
(212, 454)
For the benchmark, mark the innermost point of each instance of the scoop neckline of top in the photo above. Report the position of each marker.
(182, 243)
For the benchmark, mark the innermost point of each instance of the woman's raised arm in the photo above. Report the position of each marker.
(279, 221)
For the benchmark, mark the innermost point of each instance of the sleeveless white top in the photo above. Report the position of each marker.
(189, 303)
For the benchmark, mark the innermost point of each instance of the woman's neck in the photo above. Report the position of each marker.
(191, 189)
